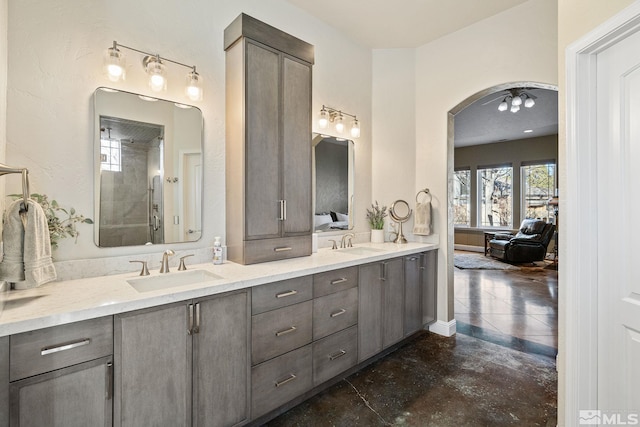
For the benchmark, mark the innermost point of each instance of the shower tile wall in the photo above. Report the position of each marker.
(124, 210)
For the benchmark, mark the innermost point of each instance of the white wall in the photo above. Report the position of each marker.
(3, 90)
(517, 45)
(56, 53)
(394, 131)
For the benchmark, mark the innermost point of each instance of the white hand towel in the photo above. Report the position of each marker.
(422, 219)
(27, 249)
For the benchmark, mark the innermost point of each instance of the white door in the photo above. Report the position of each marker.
(192, 196)
(618, 208)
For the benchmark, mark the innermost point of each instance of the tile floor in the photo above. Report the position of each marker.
(498, 370)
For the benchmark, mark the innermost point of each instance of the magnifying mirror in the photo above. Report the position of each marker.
(400, 212)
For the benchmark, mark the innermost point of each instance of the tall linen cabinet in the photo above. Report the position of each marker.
(268, 143)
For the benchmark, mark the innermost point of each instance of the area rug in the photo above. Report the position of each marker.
(480, 262)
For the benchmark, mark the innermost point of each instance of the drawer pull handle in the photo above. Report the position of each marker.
(337, 355)
(286, 294)
(283, 249)
(414, 258)
(339, 313)
(338, 281)
(283, 382)
(65, 346)
(286, 331)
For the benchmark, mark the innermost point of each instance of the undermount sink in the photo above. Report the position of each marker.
(360, 250)
(171, 280)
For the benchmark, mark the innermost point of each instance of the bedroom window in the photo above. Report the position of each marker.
(538, 185)
(462, 198)
(495, 197)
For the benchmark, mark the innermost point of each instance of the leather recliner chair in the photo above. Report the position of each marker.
(528, 245)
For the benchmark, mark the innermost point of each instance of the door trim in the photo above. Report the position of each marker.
(578, 364)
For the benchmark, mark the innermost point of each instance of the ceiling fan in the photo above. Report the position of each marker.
(514, 98)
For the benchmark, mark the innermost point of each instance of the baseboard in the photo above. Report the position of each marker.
(446, 329)
(469, 248)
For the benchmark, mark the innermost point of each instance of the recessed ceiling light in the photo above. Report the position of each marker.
(528, 131)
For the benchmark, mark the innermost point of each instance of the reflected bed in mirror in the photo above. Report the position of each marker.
(148, 170)
(334, 183)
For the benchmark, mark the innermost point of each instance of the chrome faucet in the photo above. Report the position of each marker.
(164, 268)
(348, 236)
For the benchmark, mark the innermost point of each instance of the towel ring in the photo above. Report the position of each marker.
(425, 191)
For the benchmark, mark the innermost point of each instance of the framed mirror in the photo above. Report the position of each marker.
(148, 170)
(334, 178)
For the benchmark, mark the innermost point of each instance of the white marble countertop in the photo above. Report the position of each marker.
(70, 301)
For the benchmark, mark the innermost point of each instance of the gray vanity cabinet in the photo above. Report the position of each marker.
(62, 376)
(413, 266)
(268, 143)
(4, 381)
(184, 364)
(380, 306)
(429, 282)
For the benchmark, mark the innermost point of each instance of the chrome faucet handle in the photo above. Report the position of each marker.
(164, 267)
(145, 270)
(349, 243)
(183, 267)
(335, 244)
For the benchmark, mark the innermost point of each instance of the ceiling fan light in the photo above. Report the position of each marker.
(529, 102)
(515, 108)
(517, 100)
(503, 105)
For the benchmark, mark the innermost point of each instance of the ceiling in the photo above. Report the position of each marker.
(382, 24)
(482, 123)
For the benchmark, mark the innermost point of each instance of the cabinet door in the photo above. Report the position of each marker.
(369, 310)
(4, 381)
(153, 367)
(412, 294)
(429, 279)
(221, 368)
(393, 304)
(296, 133)
(76, 396)
(262, 115)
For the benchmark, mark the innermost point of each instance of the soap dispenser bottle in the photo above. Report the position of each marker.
(217, 251)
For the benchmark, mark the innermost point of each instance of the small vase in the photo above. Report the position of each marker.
(377, 236)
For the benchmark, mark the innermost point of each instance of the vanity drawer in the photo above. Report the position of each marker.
(45, 350)
(334, 281)
(334, 354)
(281, 294)
(335, 312)
(279, 380)
(256, 251)
(279, 331)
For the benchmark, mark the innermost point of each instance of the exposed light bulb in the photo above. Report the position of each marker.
(339, 124)
(529, 102)
(156, 71)
(193, 88)
(515, 108)
(517, 100)
(323, 121)
(114, 64)
(355, 128)
(503, 105)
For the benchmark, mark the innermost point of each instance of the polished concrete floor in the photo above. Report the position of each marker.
(498, 370)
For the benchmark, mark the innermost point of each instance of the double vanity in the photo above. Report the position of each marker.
(215, 345)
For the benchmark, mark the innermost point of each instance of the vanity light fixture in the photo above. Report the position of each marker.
(154, 66)
(331, 115)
